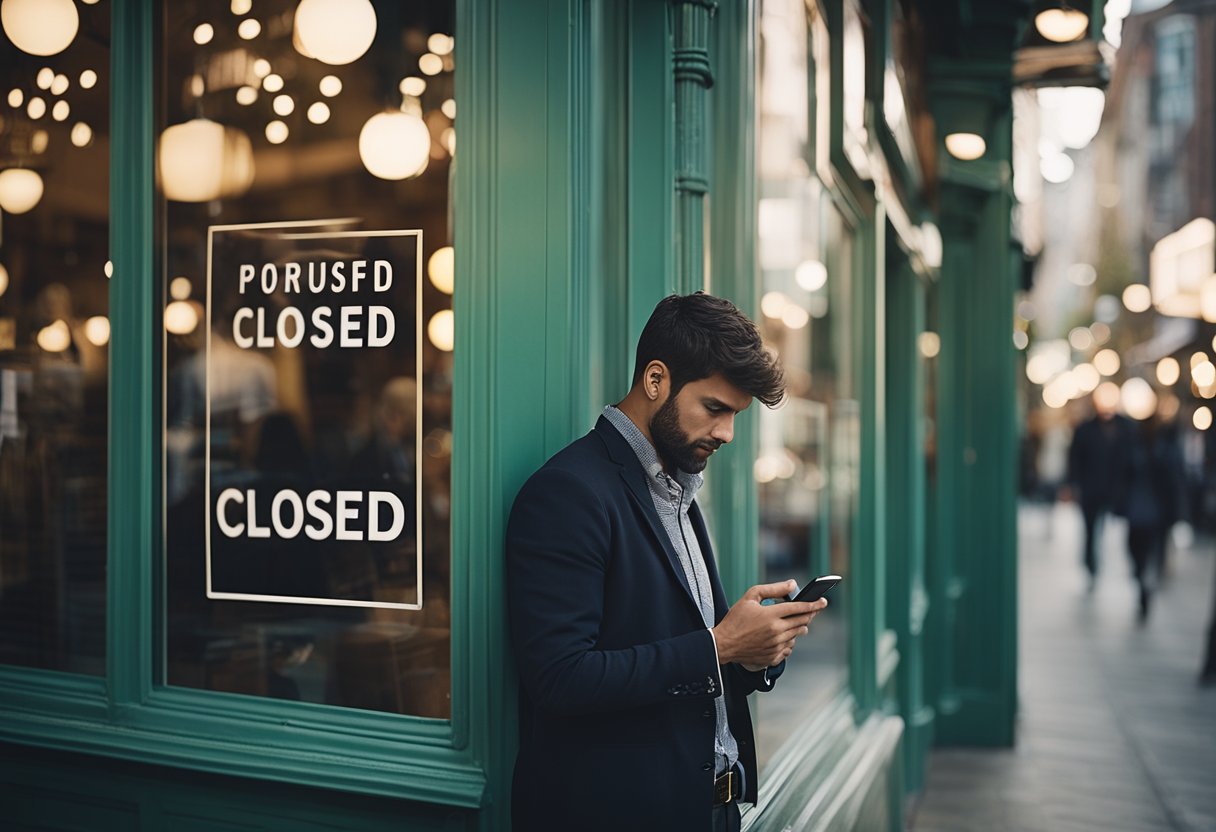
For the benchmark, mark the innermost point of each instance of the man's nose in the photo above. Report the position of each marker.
(724, 430)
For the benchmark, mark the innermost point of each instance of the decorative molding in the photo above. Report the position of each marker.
(693, 79)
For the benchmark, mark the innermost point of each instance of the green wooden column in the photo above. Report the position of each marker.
(872, 647)
(973, 571)
(693, 78)
(133, 459)
(906, 506)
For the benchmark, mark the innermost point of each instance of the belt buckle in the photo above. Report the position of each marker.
(724, 788)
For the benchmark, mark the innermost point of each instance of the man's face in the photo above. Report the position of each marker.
(698, 420)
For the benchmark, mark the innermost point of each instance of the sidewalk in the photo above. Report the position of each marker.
(1113, 732)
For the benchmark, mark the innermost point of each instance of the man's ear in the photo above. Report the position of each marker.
(656, 380)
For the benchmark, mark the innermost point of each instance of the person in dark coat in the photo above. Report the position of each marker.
(1097, 469)
(1153, 499)
(634, 668)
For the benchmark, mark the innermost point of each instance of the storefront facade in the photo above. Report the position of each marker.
(220, 665)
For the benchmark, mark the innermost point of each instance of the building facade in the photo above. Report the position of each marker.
(276, 353)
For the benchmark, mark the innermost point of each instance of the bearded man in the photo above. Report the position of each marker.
(633, 670)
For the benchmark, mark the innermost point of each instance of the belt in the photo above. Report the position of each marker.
(727, 787)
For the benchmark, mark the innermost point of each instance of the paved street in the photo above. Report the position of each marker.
(1113, 734)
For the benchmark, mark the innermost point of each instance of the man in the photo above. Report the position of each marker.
(633, 670)
(1097, 470)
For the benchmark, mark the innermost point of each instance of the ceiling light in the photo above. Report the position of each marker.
(40, 27)
(330, 86)
(335, 31)
(440, 43)
(20, 190)
(56, 337)
(441, 330)
(203, 33)
(412, 85)
(318, 112)
(1062, 24)
(88, 79)
(180, 288)
(430, 64)
(201, 160)
(97, 330)
(249, 29)
(82, 134)
(394, 145)
(276, 132)
(966, 146)
(441, 269)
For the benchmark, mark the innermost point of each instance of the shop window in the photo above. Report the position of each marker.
(305, 157)
(806, 469)
(54, 335)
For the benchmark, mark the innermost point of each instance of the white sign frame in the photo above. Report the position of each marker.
(418, 315)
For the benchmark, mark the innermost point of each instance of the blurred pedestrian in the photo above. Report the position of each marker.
(1155, 493)
(1207, 676)
(1097, 468)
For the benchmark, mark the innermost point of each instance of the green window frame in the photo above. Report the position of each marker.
(128, 714)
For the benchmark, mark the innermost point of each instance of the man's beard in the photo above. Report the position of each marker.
(673, 444)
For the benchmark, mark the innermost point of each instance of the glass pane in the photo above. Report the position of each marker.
(305, 162)
(806, 468)
(54, 332)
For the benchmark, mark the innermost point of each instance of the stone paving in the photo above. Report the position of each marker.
(1114, 734)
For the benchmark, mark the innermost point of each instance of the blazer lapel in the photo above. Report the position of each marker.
(639, 491)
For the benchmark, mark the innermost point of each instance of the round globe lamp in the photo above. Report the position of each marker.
(20, 190)
(202, 160)
(1061, 23)
(966, 146)
(335, 32)
(394, 145)
(40, 27)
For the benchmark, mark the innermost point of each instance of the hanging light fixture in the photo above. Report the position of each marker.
(56, 337)
(20, 190)
(202, 160)
(440, 268)
(3, 280)
(97, 330)
(966, 146)
(1059, 22)
(40, 27)
(441, 330)
(334, 32)
(395, 145)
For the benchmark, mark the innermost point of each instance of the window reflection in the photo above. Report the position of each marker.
(294, 143)
(806, 470)
(54, 336)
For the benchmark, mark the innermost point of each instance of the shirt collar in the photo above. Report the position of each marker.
(647, 455)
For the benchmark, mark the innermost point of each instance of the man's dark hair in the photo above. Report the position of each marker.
(699, 335)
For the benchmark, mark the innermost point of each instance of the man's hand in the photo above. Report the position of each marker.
(759, 636)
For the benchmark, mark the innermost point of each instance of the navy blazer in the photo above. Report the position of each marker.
(617, 671)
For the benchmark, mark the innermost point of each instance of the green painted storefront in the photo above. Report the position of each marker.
(608, 157)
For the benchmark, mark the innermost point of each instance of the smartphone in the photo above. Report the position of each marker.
(815, 590)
